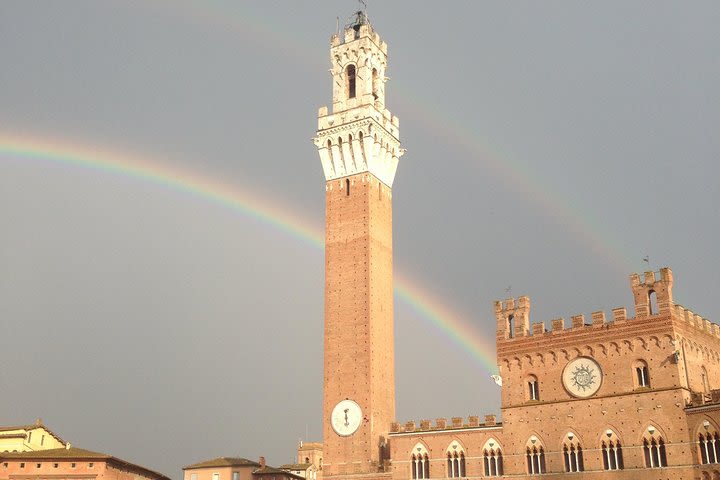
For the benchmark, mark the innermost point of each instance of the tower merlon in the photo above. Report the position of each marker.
(619, 314)
(513, 318)
(598, 318)
(651, 290)
(578, 321)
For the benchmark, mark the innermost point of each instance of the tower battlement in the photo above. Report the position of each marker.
(441, 424)
(359, 134)
(643, 291)
(513, 317)
(361, 28)
(514, 323)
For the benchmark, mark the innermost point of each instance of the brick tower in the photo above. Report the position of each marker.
(359, 150)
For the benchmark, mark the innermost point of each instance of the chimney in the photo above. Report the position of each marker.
(262, 462)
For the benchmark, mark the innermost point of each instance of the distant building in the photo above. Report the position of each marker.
(312, 453)
(221, 468)
(70, 463)
(265, 472)
(235, 468)
(308, 471)
(27, 438)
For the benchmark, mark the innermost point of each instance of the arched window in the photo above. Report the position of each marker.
(535, 456)
(533, 392)
(641, 374)
(652, 302)
(455, 460)
(705, 380)
(511, 326)
(420, 462)
(350, 79)
(492, 459)
(375, 84)
(709, 444)
(611, 452)
(572, 454)
(654, 449)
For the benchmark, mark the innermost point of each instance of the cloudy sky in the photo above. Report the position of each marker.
(161, 204)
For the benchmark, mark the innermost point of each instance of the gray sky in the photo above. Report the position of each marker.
(551, 146)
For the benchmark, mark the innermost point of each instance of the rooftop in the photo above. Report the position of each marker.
(266, 470)
(296, 466)
(73, 453)
(224, 462)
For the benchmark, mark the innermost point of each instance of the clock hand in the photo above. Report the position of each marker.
(347, 422)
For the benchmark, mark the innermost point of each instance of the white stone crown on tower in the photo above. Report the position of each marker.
(360, 135)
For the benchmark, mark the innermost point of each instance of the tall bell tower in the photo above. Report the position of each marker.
(359, 149)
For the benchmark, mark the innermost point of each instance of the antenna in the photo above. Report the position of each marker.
(337, 26)
(363, 4)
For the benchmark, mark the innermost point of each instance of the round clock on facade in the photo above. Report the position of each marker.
(346, 417)
(582, 377)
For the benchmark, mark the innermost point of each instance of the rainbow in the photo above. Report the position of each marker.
(539, 193)
(213, 191)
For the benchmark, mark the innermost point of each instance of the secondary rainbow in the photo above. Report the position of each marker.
(518, 176)
(430, 309)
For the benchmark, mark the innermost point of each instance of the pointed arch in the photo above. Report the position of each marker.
(351, 80)
(419, 462)
(705, 379)
(375, 84)
(535, 455)
(572, 452)
(611, 448)
(492, 458)
(455, 454)
(708, 441)
(653, 445)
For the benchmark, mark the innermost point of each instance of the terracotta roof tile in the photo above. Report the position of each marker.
(223, 462)
(75, 453)
(272, 470)
(296, 466)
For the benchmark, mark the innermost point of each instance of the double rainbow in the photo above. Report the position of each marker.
(213, 191)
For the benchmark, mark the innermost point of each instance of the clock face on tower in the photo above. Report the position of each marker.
(346, 417)
(582, 377)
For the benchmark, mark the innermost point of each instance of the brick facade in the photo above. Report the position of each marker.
(659, 382)
(607, 397)
(70, 463)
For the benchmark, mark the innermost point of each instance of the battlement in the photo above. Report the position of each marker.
(651, 290)
(513, 320)
(360, 28)
(513, 317)
(456, 423)
(703, 324)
